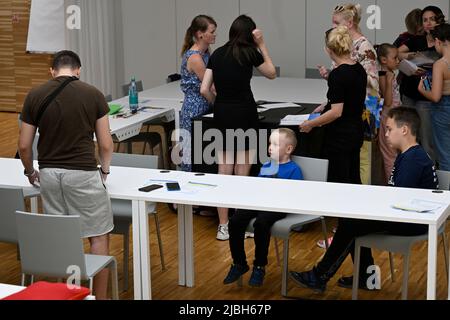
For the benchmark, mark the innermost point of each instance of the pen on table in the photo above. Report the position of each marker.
(202, 184)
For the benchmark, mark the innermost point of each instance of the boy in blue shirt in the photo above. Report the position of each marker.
(282, 144)
(413, 168)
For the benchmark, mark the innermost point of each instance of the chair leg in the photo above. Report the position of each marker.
(32, 279)
(130, 147)
(356, 264)
(391, 264)
(114, 280)
(445, 243)
(277, 251)
(324, 231)
(405, 276)
(91, 284)
(158, 234)
(284, 275)
(22, 281)
(126, 257)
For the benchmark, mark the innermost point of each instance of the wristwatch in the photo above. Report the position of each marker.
(103, 172)
(28, 174)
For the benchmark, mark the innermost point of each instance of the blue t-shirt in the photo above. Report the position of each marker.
(414, 169)
(288, 170)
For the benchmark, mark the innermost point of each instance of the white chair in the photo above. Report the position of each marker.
(315, 170)
(122, 209)
(11, 200)
(398, 244)
(51, 245)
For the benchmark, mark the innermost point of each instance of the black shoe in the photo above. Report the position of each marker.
(236, 271)
(309, 279)
(347, 282)
(257, 277)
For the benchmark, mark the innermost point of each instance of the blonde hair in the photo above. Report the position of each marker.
(350, 12)
(289, 136)
(339, 41)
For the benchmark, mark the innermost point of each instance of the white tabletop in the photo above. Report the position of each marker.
(307, 197)
(278, 90)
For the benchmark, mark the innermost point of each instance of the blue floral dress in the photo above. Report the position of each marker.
(194, 103)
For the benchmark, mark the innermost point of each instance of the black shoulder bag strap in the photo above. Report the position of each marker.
(52, 97)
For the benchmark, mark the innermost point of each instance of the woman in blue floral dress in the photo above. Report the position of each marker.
(195, 55)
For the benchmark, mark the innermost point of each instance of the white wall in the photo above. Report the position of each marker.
(283, 26)
(153, 30)
(150, 48)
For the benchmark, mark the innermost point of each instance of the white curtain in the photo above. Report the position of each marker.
(99, 43)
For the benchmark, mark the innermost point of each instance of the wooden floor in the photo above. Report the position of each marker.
(212, 259)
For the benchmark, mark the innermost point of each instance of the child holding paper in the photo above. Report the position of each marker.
(282, 144)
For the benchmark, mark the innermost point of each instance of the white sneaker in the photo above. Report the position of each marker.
(222, 232)
(249, 235)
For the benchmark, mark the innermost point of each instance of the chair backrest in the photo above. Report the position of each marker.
(50, 244)
(134, 160)
(313, 169)
(173, 77)
(108, 98)
(256, 72)
(444, 179)
(11, 199)
(126, 86)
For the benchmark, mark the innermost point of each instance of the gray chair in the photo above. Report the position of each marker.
(173, 77)
(257, 73)
(11, 200)
(126, 86)
(51, 244)
(315, 170)
(122, 210)
(398, 244)
(108, 98)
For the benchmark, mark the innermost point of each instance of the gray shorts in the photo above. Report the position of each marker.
(78, 192)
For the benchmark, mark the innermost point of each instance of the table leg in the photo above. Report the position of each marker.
(185, 246)
(432, 259)
(141, 252)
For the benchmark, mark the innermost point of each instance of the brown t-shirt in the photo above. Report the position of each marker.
(67, 127)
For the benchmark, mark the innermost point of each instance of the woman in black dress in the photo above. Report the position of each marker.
(230, 69)
(342, 117)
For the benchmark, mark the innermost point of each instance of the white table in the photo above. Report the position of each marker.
(279, 90)
(124, 128)
(301, 197)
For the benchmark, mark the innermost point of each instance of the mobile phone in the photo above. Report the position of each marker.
(173, 186)
(150, 187)
(426, 83)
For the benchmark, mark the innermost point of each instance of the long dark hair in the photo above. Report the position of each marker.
(199, 23)
(440, 17)
(241, 43)
(442, 32)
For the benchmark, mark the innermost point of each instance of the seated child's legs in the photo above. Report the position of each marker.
(236, 227)
(262, 225)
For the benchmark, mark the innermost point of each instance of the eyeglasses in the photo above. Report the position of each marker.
(339, 8)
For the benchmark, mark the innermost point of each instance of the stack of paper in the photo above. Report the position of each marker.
(418, 206)
(294, 120)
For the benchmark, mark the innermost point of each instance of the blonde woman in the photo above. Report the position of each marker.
(349, 15)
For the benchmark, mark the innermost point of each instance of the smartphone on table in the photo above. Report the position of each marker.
(173, 186)
(150, 187)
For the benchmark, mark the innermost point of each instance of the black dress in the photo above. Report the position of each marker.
(234, 107)
(344, 136)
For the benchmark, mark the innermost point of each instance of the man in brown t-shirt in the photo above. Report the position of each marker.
(71, 183)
